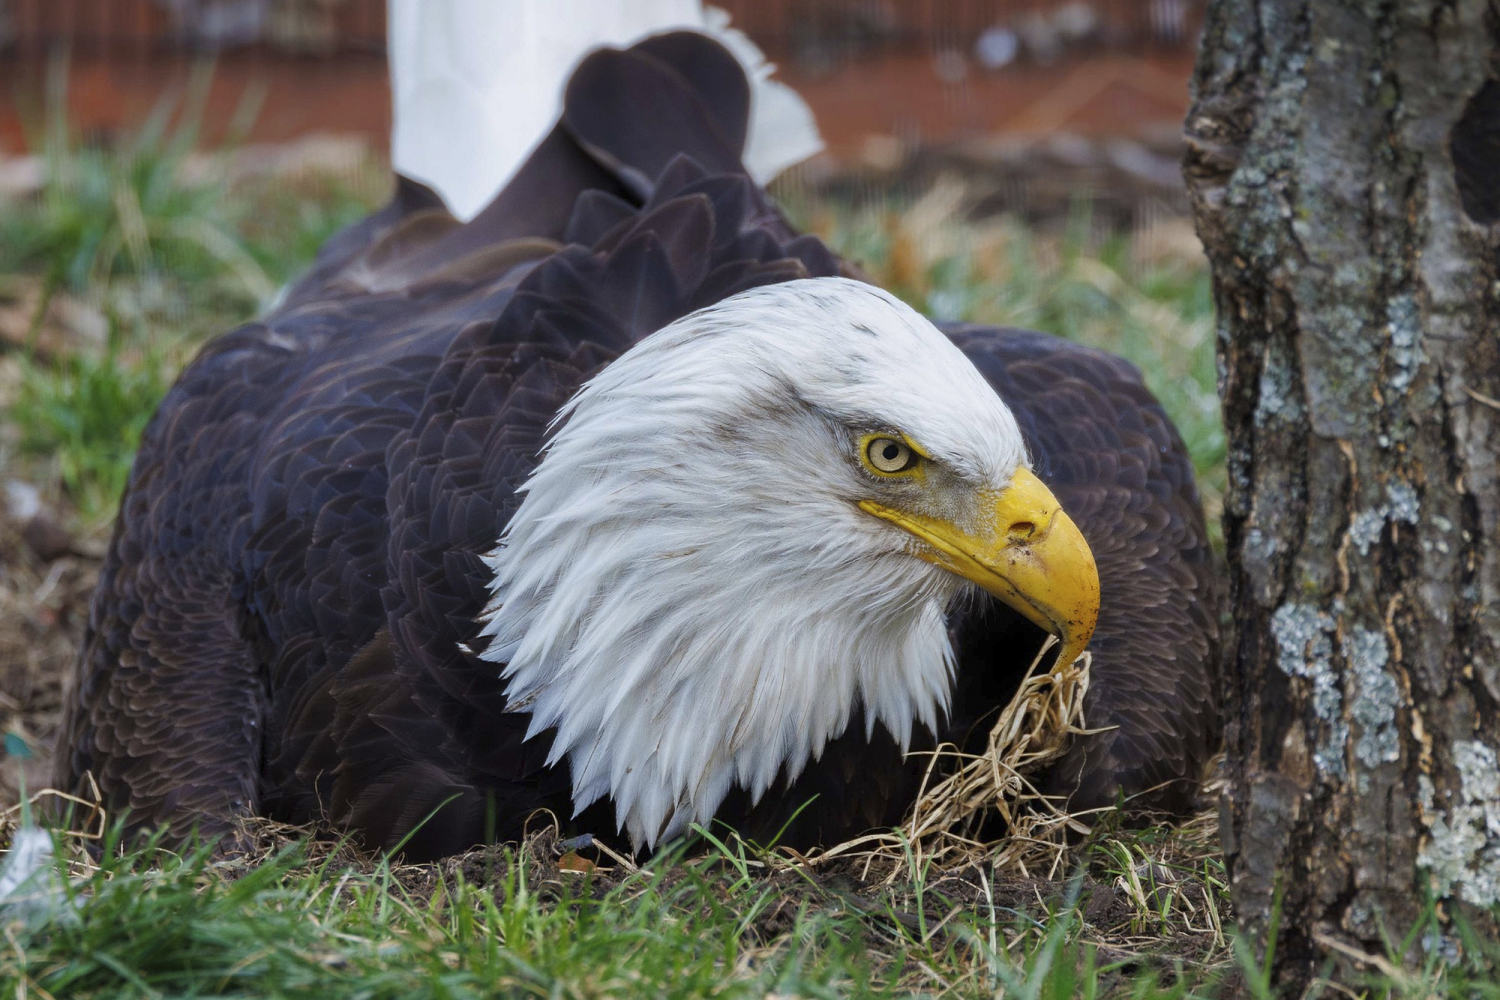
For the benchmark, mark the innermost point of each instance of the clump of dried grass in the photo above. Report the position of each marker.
(85, 825)
(963, 792)
(88, 819)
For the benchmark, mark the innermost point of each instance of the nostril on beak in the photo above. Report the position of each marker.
(1031, 530)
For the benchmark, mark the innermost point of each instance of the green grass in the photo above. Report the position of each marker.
(509, 922)
(169, 252)
(80, 414)
(124, 213)
(306, 918)
(85, 415)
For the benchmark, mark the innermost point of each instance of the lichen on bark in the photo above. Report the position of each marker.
(1462, 850)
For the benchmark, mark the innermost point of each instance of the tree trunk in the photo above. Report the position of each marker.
(1344, 167)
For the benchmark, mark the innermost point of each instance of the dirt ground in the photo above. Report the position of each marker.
(46, 577)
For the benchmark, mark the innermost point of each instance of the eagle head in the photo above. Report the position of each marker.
(753, 521)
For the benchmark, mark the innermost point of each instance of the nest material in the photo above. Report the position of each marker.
(963, 792)
(86, 822)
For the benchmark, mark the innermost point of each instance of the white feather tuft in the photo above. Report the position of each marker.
(689, 592)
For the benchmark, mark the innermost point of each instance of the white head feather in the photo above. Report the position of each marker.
(689, 592)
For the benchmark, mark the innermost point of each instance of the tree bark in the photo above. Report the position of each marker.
(1344, 167)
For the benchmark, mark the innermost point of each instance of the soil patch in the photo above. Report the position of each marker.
(46, 579)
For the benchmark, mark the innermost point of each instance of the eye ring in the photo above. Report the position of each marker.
(888, 456)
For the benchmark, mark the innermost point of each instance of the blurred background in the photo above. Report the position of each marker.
(167, 165)
(1052, 98)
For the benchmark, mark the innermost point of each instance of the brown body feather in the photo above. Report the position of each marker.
(286, 620)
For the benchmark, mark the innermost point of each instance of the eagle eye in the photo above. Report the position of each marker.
(889, 456)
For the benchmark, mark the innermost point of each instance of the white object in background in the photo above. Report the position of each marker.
(475, 84)
(31, 889)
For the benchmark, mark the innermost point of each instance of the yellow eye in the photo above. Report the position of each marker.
(889, 456)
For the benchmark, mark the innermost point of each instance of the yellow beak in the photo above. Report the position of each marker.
(1029, 554)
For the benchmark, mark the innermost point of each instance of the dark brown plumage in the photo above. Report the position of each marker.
(286, 617)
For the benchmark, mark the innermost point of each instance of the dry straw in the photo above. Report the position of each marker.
(963, 792)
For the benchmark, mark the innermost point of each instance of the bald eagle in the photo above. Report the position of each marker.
(627, 501)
